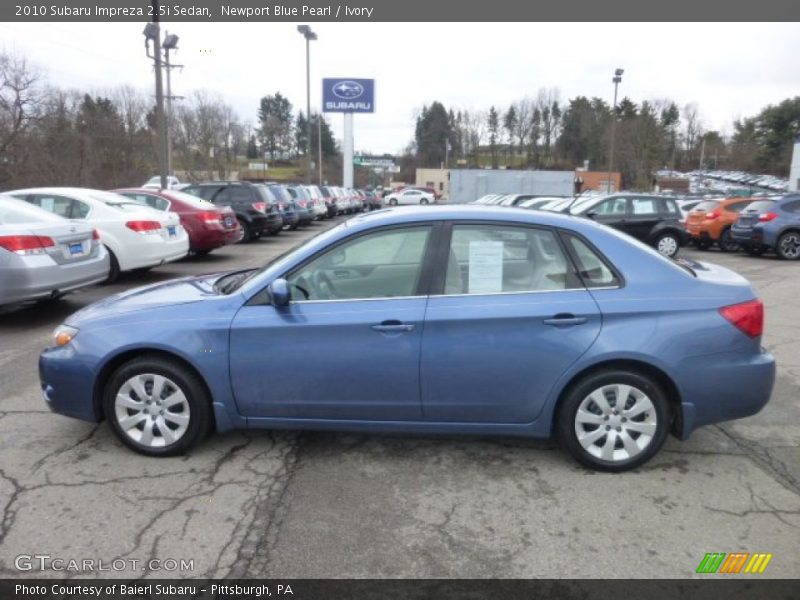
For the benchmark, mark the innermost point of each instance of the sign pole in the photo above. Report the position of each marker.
(347, 166)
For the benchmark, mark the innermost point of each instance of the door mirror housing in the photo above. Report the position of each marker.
(279, 293)
(591, 214)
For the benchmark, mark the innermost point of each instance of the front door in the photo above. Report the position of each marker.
(348, 344)
(512, 317)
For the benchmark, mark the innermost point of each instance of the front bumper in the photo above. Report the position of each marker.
(67, 383)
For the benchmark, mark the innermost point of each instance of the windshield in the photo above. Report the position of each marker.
(759, 206)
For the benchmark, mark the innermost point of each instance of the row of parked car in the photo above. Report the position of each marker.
(56, 240)
(753, 224)
(742, 178)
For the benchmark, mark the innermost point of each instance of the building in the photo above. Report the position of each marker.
(596, 180)
(438, 179)
(467, 185)
(794, 172)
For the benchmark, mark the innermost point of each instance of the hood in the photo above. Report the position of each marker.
(183, 291)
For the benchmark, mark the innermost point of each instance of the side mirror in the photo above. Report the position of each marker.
(279, 294)
(591, 214)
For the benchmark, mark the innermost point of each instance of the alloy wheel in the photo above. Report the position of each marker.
(789, 246)
(667, 245)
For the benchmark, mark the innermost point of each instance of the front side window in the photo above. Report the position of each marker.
(384, 264)
(491, 259)
(612, 206)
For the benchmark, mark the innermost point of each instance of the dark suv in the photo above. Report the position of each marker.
(252, 203)
(654, 220)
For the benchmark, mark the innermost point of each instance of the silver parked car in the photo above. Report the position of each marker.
(45, 256)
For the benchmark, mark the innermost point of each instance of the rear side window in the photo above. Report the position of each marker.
(706, 205)
(58, 205)
(235, 193)
(669, 207)
(491, 259)
(643, 206)
(594, 271)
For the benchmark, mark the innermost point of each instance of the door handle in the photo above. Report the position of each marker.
(565, 320)
(393, 327)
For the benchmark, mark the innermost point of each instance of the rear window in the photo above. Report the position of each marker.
(192, 201)
(759, 206)
(265, 193)
(13, 212)
(706, 205)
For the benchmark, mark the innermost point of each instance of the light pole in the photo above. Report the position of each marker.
(616, 80)
(170, 43)
(152, 33)
(309, 35)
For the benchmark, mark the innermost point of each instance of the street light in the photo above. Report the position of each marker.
(152, 33)
(309, 35)
(170, 43)
(617, 79)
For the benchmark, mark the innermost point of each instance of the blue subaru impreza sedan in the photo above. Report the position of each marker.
(477, 320)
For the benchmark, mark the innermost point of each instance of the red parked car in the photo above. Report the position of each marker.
(209, 226)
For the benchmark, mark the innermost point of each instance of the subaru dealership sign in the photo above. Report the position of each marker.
(348, 95)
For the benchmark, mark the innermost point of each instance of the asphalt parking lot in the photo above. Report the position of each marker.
(250, 504)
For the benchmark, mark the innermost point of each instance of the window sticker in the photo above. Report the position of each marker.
(485, 267)
(48, 204)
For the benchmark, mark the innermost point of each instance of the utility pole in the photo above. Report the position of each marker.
(319, 145)
(309, 35)
(152, 33)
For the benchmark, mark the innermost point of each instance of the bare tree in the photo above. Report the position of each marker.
(19, 96)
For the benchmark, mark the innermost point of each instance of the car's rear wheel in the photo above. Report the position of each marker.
(788, 246)
(247, 231)
(668, 244)
(113, 270)
(614, 420)
(393, 202)
(423, 201)
(157, 407)
(726, 242)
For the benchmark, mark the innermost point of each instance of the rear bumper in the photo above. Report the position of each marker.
(723, 387)
(39, 277)
(154, 251)
(209, 239)
(752, 236)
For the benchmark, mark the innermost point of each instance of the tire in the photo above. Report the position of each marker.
(753, 250)
(702, 244)
(121, 401)
(393, 202)
(423, 201)
(204, 252)
(248, 231)
(644, 432)
(113, 271)
(726, 242)
(788, 246)
(668, 244)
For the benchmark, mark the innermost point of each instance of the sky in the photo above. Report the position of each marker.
(730, 70)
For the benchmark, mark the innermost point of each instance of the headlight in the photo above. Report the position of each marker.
(64, 334)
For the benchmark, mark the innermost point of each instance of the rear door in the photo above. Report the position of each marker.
(509, 318)
(643, 216)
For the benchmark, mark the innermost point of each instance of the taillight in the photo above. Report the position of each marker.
(281, 207)
(714, 214)
(209, 217)
(260, 206)
(302, 203)
(26, 244)
(748, 317)
(767, 216)
(95, 234)
(146, 227)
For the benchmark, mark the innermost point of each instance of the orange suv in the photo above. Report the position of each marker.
(710, 222)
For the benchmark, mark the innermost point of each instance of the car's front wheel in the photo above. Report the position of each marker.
(668, 244)
(614, 420)
(157, 407)
(392, 201)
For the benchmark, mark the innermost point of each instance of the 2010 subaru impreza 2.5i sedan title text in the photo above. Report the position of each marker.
(477, 320)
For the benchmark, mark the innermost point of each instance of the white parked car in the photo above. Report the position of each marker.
(136, 236)
(409, 196)
(172, 183)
